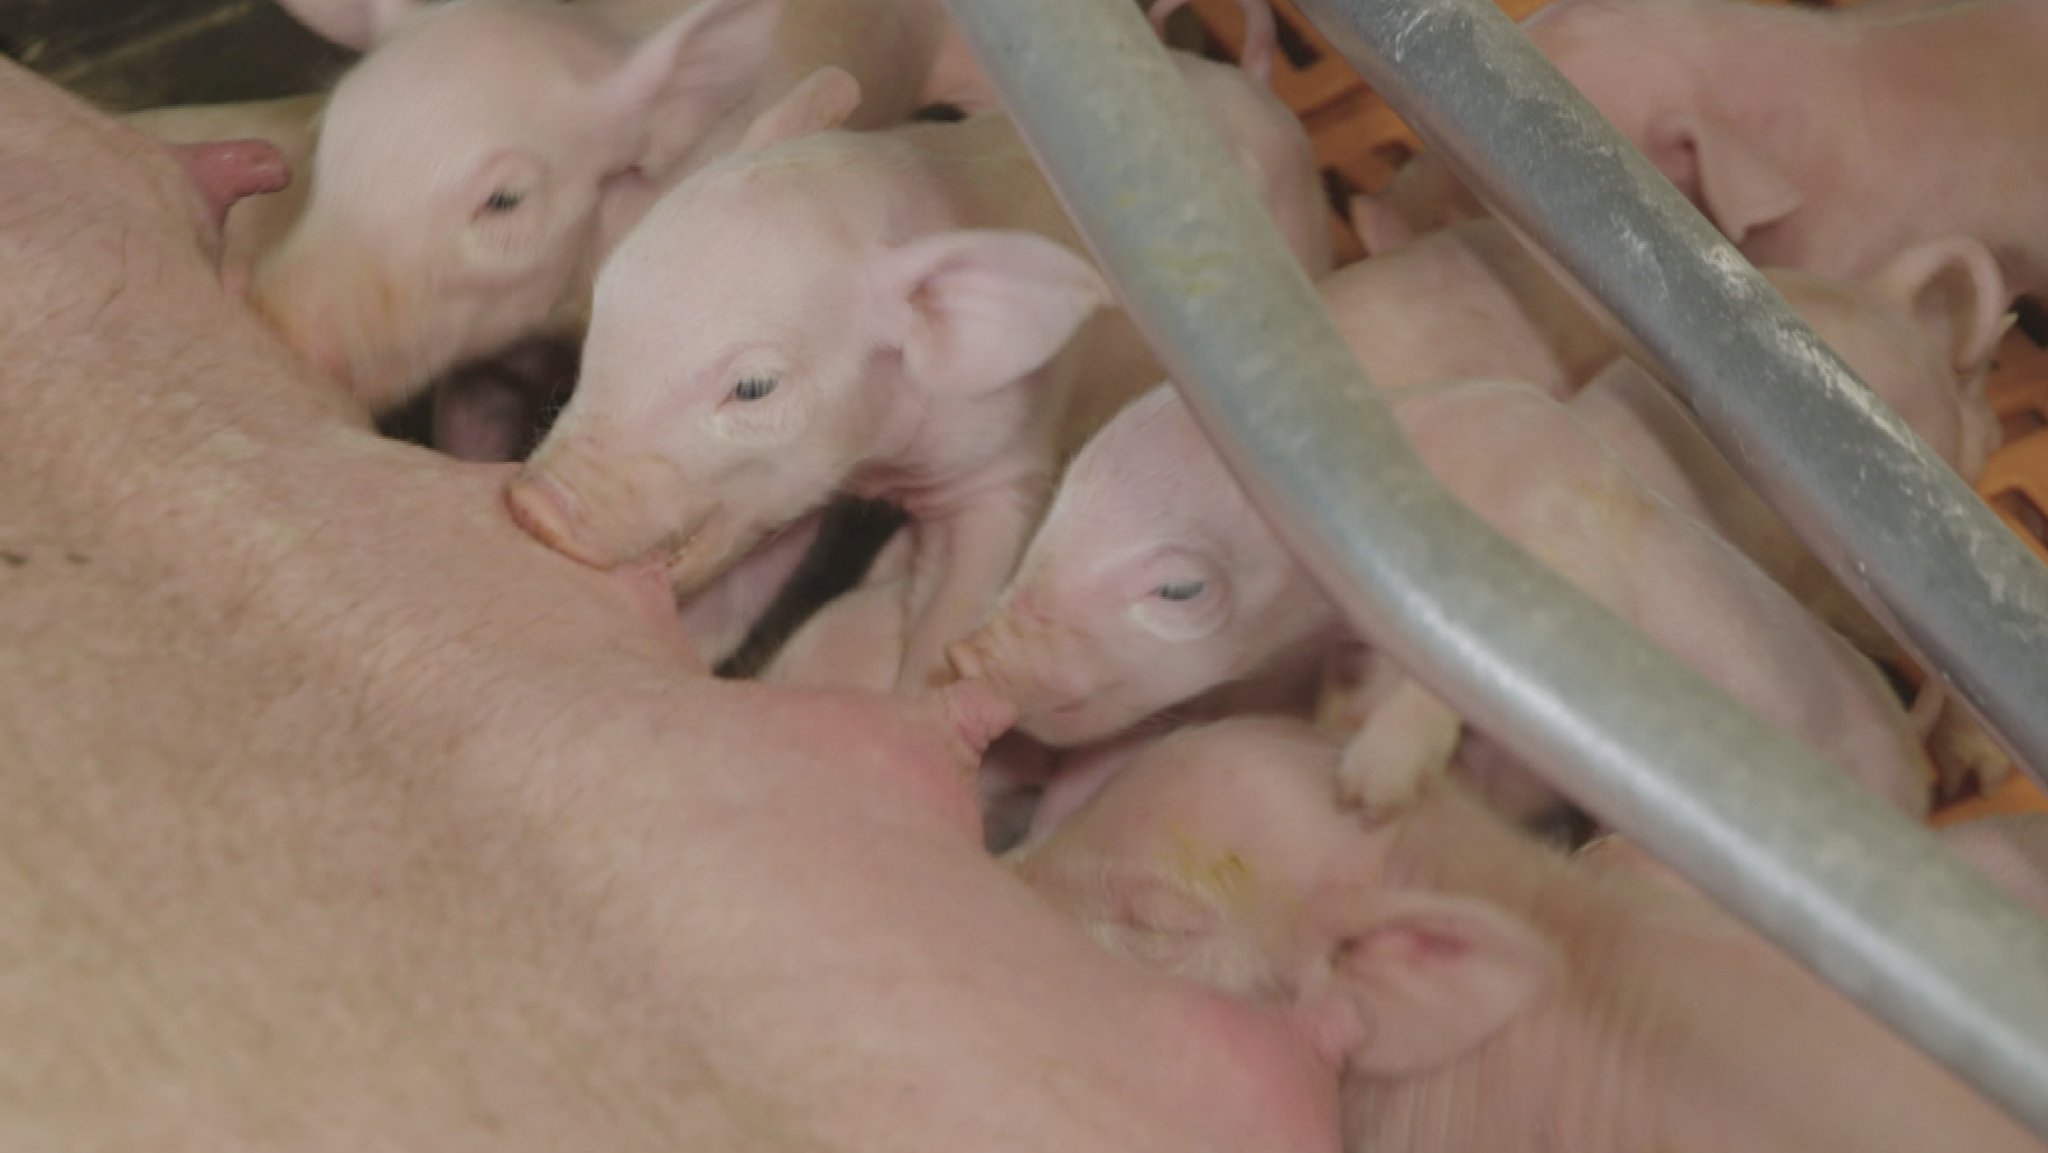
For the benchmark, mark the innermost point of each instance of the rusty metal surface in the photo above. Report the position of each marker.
(126, 54)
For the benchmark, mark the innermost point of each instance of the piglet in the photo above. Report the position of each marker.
(1472, 302)
(1828, 140)
(2009, 848)
(901, 315)
(227, 172)
(1154, 579)
(1662, 443)
(1424, 196)
(1473, 989)
(473, 166)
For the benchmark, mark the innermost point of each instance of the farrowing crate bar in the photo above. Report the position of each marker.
(1867, 900)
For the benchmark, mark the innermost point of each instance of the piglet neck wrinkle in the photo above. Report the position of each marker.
(928, 462)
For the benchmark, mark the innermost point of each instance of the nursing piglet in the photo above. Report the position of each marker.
(1829, 140)
(1473, 989)
(901, 315)
(473, 167)
(1154, 579)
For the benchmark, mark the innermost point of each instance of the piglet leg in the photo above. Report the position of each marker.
(1965, 754)
(1409, 738)
(963, 561)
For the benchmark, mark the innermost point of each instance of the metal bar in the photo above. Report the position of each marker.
(1900, 528)
(1867, 900)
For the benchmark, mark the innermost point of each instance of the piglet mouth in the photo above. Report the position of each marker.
(695, 555)
(1039, 704)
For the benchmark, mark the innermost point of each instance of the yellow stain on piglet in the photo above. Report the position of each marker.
(1219, 876)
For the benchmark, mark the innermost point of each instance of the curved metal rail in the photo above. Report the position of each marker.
(1867, 900)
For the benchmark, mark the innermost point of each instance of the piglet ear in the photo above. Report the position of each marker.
(1419, 980)
(979, 310)
(713, 53)
(1738, 187)
(820, 104)
(1953, 288)
(357, 24)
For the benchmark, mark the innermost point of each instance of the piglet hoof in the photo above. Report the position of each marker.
(1968, 759)
(1379, 781)
(1409, 740)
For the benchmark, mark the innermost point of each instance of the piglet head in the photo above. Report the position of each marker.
(1152, 580)
(1220, 855)
(1664, 101)
(462, 166)
(1189, 858)
(759, 339)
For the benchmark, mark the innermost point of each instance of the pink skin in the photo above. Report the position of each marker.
(441, 786)
(1425, 196)
(856, 641)
(719, 616)
(1472, 302)
(471, 168)
(1476, 990)
(228, 171)
(1920, 335)
(1930, 127)
(1490, 311)
(1467, 303)
(901, 315)
(1154, 579)
(487, 413)
(255, 225)
(2011, 849)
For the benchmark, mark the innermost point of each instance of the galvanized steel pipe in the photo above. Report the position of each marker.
(1864, 898)
(1900, 528)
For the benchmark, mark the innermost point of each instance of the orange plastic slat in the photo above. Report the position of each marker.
(1320, 77)
(2016, 795)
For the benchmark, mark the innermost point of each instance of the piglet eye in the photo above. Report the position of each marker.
(504, 200)
(1178, 591)
(754, 387)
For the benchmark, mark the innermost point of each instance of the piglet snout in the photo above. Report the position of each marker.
(542, 507)
(994, 657)
(973, 715)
